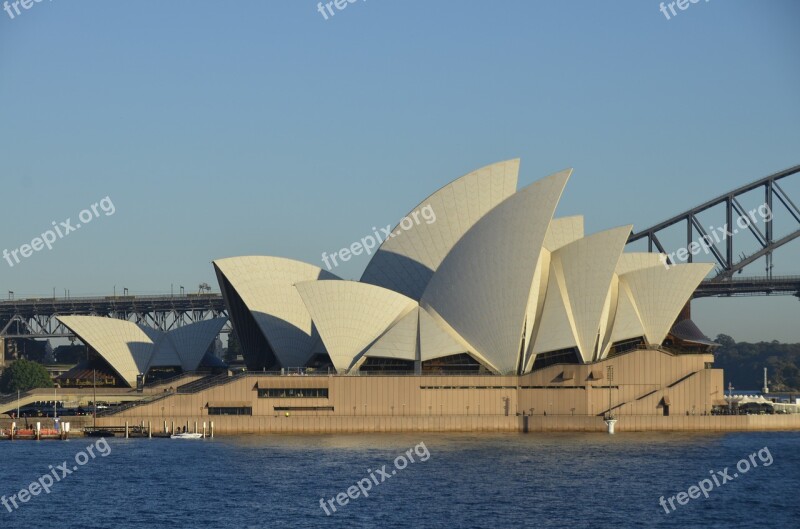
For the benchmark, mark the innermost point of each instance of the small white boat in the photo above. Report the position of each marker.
(186, 436)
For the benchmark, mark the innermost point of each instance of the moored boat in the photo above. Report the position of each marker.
(186, 436)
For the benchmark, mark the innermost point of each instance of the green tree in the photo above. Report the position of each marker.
(725, 340)
(744, 364)
(23, 375)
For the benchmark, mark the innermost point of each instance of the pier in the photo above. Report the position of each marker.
(36, 433)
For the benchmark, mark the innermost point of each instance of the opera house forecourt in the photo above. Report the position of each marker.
(497, 316)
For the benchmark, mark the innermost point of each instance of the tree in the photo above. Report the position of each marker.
(744, 363)
(23, 375)
(725, 340)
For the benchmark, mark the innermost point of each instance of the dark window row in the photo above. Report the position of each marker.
(468, 387)
(293, 393)
(230, 411)
(557, 387)
(303, 408)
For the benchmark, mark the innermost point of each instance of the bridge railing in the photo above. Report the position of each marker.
(85, 299)
(749, 279)
(172, 380)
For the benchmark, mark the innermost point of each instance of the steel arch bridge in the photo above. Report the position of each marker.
(724, 283)
(36, 318)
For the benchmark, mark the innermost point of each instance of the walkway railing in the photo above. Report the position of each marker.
(7, 399)
(132, 404)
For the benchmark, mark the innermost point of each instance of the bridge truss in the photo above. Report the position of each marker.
(36, 318)
(722, 248)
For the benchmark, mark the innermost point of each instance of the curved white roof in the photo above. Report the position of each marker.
(556, 327)
(405, 262)
(621, 318)
(126, 346)
(132, 349)
(400, 341)
(350, 315)
(435, 340)
(561, 232)
(627, 322)
(482, 287)
(266, 286)
(629, 262)
(192, 341)
(588, 266)
(659, 294)
(164, 353)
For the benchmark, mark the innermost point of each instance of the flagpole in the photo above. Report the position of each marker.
(94, 385)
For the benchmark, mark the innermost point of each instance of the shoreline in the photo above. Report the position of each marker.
(232, 425)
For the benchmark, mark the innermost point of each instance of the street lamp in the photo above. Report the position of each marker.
(730, 398)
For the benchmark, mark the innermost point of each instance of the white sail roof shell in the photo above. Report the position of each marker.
(266, 286)
(483, 285)
(588, 266)
(660, 294)
(350, 315)
(132, 349)
(406, 261)
(400, 341)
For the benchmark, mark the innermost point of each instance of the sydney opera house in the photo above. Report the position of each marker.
(496, 308)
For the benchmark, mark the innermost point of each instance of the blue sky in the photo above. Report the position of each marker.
(259, 127)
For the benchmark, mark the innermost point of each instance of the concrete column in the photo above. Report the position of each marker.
(13, 430)
(38, 431)
(195, 426)
(204, 429)
(127, 435)
(149, 430)
(212, 429)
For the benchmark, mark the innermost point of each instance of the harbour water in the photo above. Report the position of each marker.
(455, 480)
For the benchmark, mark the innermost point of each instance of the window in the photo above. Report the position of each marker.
(303, 408)
(217, 410)
(293, 393)
(562, 356)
